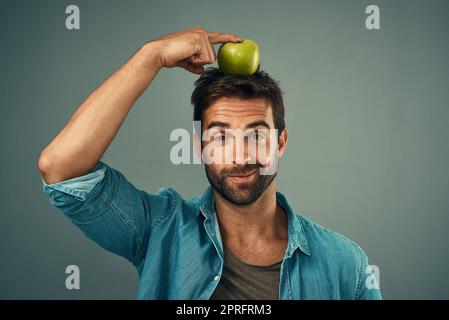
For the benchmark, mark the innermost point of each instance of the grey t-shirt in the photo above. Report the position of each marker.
(242, 281)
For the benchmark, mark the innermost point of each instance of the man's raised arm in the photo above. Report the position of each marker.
(84, 139)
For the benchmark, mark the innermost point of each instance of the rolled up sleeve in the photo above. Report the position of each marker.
(110, 210)
(78, 187)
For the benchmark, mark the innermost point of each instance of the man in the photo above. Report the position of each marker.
(241, 239)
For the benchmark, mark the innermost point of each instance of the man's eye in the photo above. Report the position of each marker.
(219, 138)
(222, 138)
(256, 136)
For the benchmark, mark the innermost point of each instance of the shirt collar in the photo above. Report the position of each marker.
(296, 234)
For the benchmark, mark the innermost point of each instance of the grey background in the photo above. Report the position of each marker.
(367, 113)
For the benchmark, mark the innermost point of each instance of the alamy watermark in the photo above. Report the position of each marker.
(72, 282)
(72, 22)
(372, 281)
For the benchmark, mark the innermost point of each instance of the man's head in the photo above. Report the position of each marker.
(228, 105)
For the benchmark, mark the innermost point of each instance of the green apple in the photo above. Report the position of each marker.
(240, 58)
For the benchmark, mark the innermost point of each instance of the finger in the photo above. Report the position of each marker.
(202, 55)
(210, 50)
(218, 37)
(197, 69)
(194, 69)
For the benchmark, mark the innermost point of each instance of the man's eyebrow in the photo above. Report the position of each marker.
(254, 124)
(257, 124)
(218, 124)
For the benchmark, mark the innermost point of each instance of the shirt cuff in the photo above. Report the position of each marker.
(78, 187)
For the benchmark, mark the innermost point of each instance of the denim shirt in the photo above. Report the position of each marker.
(176, 247)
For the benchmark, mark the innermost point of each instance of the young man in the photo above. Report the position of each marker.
(241, 239)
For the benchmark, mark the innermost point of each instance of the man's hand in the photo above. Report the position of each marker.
(190, 49)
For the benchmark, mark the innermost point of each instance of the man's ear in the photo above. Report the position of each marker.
(282, 142)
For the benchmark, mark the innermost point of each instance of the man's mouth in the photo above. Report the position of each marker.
(243, 177)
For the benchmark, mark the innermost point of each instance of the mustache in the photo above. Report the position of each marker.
(241, 169)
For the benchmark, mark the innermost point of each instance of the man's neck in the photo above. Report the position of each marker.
(262, 221)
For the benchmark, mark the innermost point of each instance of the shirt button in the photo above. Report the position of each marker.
(216, 278)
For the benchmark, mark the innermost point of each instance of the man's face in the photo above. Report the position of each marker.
(239, 131)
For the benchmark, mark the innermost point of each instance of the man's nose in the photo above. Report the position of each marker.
(241, 152)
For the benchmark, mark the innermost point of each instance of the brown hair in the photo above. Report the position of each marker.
(214, 84)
